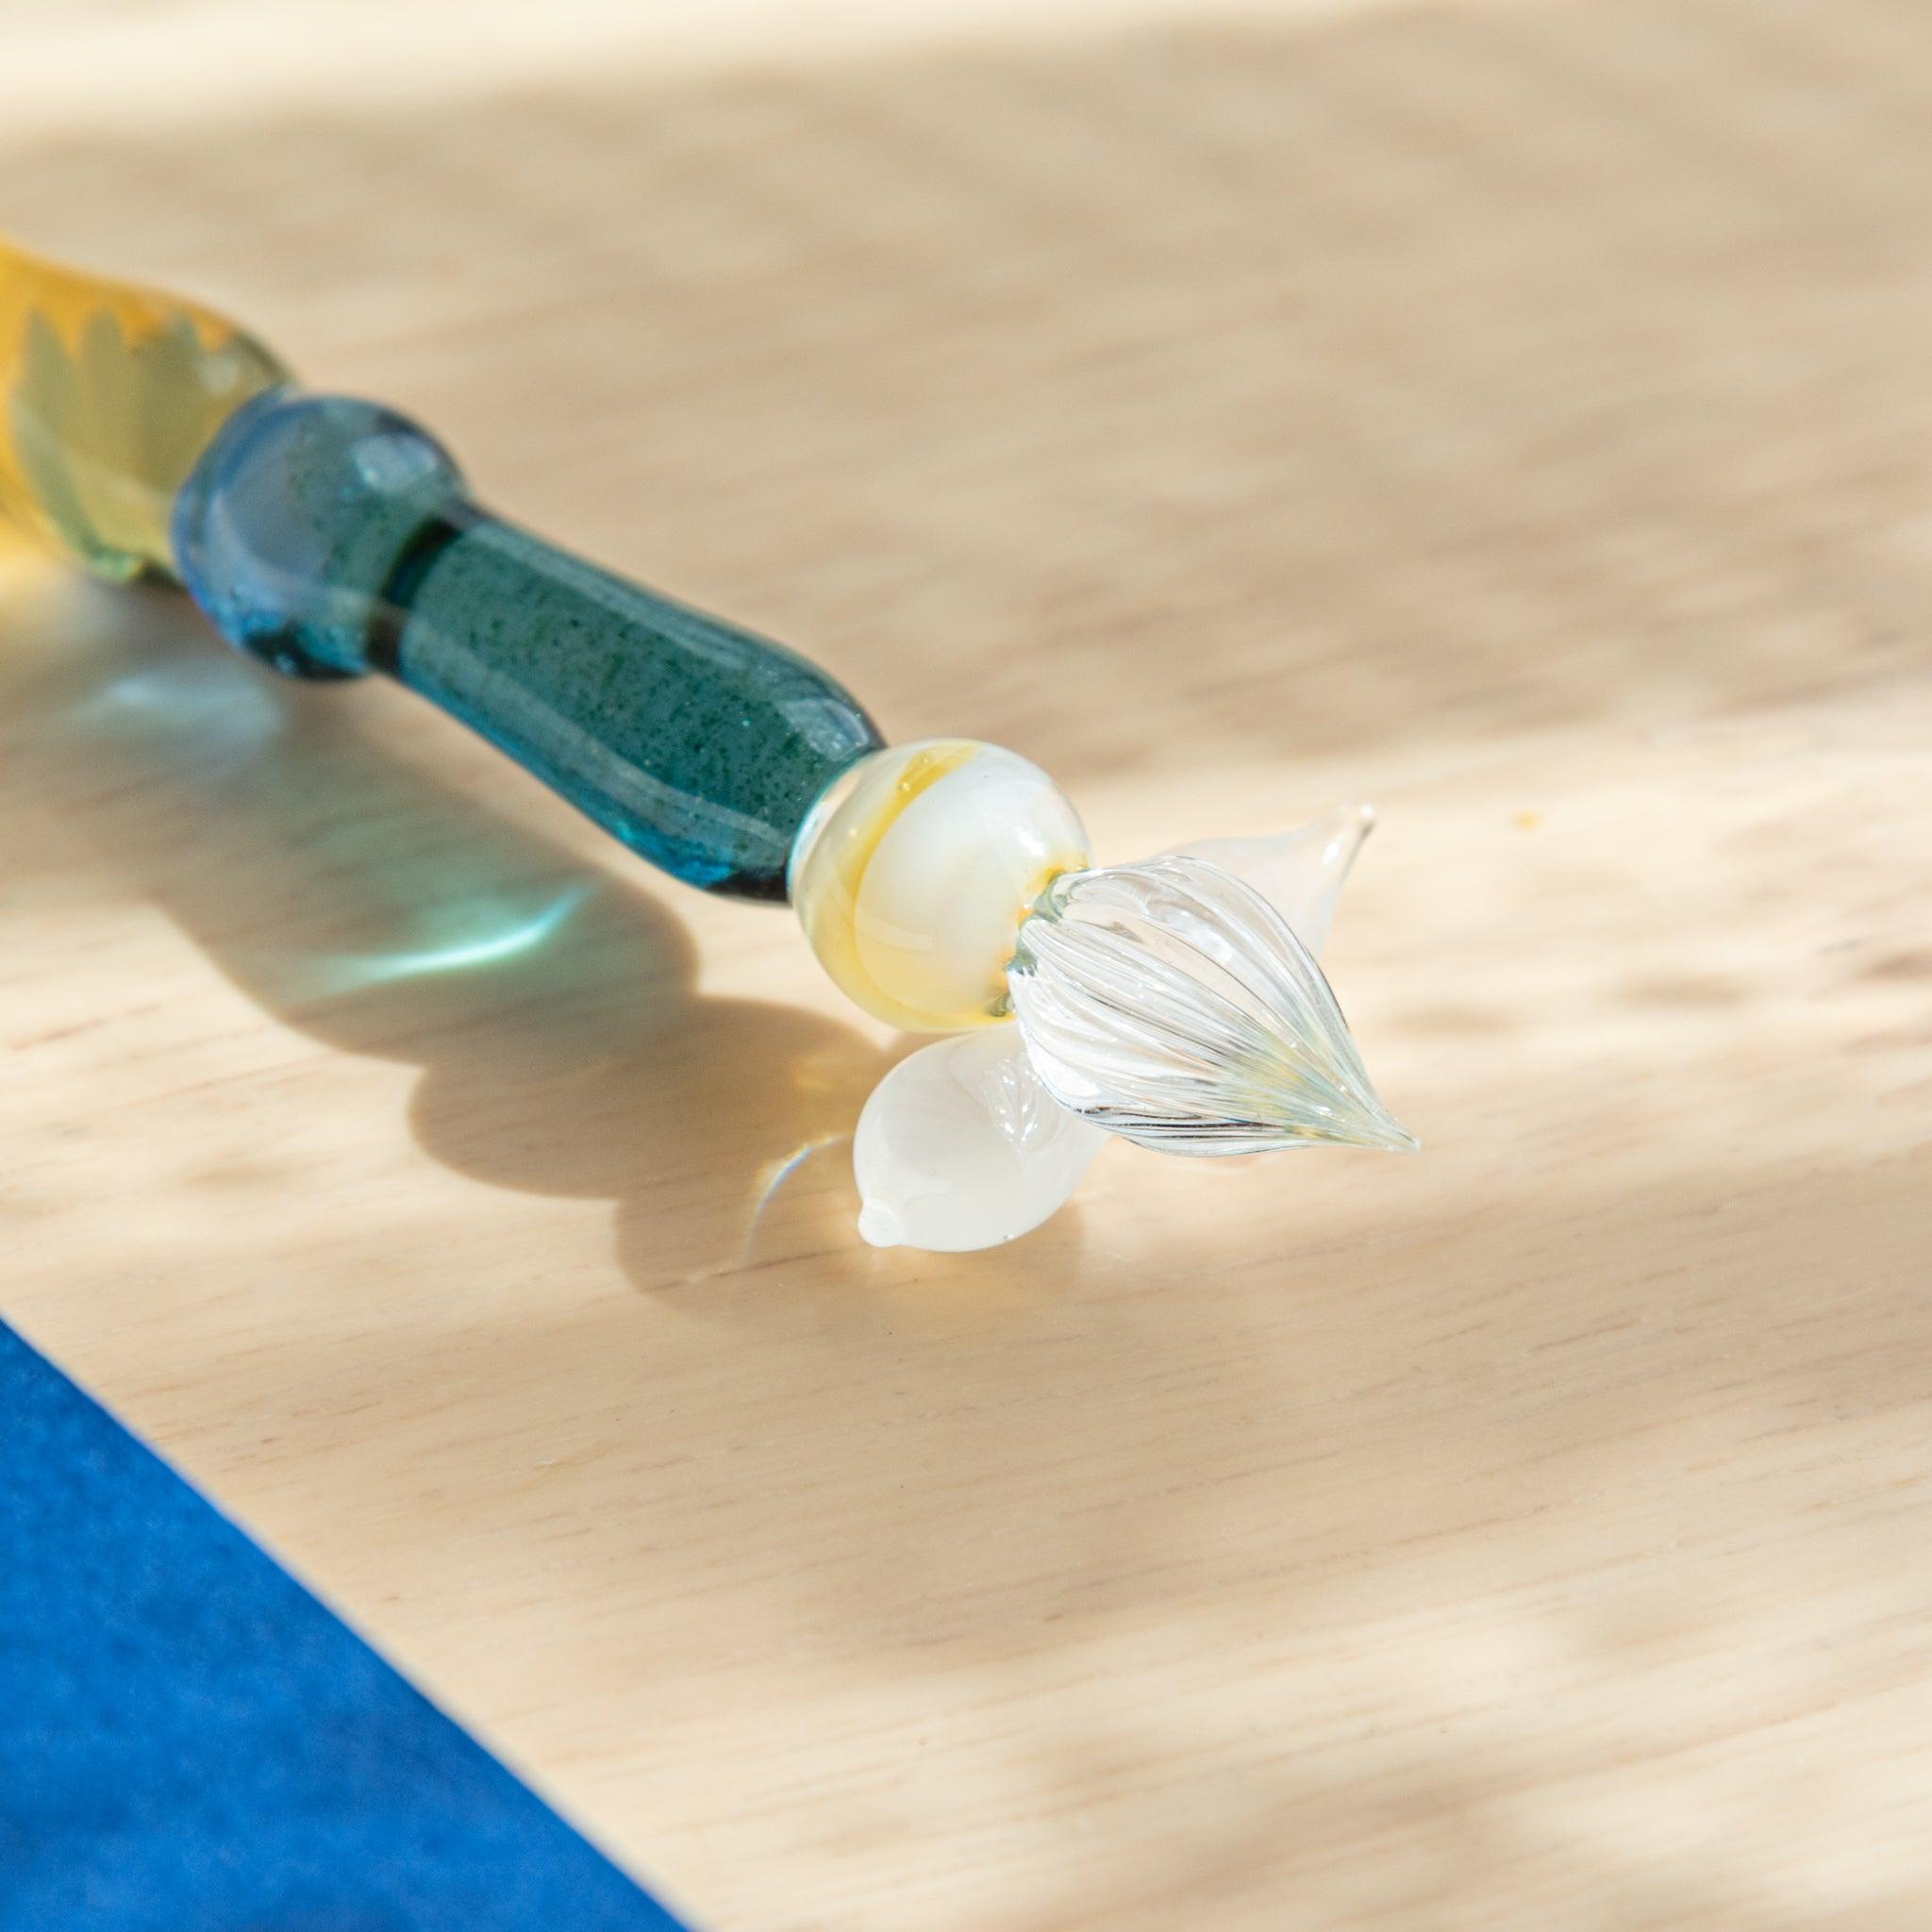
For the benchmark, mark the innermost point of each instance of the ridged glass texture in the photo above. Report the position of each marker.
(1171, 1004)
(331, 537)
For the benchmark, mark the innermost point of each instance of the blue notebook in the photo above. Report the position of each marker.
(190, 1743)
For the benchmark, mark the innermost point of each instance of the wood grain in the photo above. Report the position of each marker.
(1516, 414)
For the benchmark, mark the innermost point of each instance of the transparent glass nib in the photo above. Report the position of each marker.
(1170, 1003)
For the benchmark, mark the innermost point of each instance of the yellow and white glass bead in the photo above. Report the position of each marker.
(913, 873)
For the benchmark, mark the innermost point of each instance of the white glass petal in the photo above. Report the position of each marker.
(1301, 873)
(1170, 1003)
(961, 1147)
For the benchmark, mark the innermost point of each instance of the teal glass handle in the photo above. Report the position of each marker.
(330, 538)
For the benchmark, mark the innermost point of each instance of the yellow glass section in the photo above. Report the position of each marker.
(108, 394)
(914, 872)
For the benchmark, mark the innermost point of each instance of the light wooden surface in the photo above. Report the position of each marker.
(1517, 414)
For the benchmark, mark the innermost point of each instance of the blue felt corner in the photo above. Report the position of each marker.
(190, 1743)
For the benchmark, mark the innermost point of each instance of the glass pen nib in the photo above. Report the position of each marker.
(1170, 1003)
(1176, 1002)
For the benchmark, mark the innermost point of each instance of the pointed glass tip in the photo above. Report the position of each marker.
(1385, 1134)
(1172, 1004)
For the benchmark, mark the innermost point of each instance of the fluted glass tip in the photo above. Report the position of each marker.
(1172, 1004)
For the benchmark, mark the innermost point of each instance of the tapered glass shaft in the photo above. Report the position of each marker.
(331, 538)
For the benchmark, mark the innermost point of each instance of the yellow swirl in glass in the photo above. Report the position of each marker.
(108, 394)
(915, 870)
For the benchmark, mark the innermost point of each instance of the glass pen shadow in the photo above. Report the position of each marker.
(565, 1048)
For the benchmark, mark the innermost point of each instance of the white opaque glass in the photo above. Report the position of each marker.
(961, 1147)
(1300, 874)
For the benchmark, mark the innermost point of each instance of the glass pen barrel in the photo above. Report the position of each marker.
(109, 395)
(331, 538)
